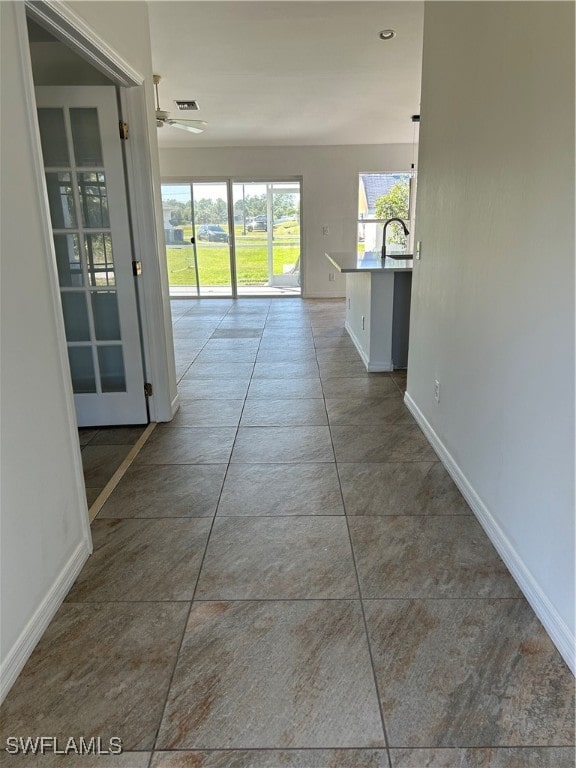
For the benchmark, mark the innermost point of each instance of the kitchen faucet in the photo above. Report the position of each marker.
(406, 232)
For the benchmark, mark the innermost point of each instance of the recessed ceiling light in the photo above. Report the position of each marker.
(387, 34)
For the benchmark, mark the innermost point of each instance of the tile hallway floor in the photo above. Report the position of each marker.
(103, 450)
(286, 577)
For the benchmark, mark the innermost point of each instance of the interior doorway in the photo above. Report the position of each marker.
(77, 109)
(233, 237)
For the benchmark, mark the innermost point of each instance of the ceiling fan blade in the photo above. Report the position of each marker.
(194, 126)
(163, 117)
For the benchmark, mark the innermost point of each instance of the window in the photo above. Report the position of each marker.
(383, 196)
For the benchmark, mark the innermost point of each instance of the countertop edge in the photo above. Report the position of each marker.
(374, 269)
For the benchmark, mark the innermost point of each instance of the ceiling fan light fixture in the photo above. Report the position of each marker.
(163, 118)
(197, 128)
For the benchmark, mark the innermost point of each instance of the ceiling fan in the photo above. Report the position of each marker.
(163, 118)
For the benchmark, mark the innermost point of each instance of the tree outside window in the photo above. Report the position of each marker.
(382, 196)
(395, 205)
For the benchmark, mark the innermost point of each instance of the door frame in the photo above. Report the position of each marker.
(136, 106)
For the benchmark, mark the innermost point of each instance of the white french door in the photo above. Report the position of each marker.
(89, 214)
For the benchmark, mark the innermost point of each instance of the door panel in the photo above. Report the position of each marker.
(267, 243)
(196, 231)
(212, 237)
(88, 209)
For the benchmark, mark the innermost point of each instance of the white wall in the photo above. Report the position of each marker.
(493, 296)
(329, 190)
(45, 536)
(53, 63)
(44, 531)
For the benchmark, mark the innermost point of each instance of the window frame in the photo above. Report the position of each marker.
(408, 221)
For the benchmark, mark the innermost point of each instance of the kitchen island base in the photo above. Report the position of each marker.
(377, 306)
(378, 317)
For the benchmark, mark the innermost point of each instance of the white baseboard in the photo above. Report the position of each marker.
(560, 633)
(356, 343)
(36, 626)
(175, 404)
(337, 296)
(376, 367)
(372, 366)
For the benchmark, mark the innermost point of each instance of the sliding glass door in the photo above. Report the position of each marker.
(267, 236)
(232, 238)
(196, 229)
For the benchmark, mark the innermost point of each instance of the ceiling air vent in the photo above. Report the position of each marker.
(187, 106)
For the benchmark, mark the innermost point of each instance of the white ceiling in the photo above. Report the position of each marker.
(288, 73)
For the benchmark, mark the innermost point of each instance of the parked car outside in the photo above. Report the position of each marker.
(212, 232)
(257, 224)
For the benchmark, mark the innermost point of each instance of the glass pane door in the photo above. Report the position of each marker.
(89, 216)
(286, 246)
(267, 237)
(197, 238)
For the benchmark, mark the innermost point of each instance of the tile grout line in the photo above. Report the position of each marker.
(192, 361)
(365, 623)
(301, 599)
(474, 747)
(190, 602)
(366, 633)
(183, 636)
(426, 516)
(184, 628)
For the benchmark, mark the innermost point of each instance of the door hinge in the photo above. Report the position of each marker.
(123, 130)
(136, 268)
(148, 389)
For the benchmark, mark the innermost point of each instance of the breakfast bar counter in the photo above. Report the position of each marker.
(377, 307)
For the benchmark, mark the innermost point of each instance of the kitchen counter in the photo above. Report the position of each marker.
(346, 262)
(377, 307)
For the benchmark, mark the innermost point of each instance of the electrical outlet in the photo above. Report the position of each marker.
(331, 277)
(419, 249)
(436, 390)
(325, 231)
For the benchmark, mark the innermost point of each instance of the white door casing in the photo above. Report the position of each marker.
(88, 206)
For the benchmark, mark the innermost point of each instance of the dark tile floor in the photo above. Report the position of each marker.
(103, 450)
(286, 577)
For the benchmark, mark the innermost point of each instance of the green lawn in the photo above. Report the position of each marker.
(214, 261)
(251, 256)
